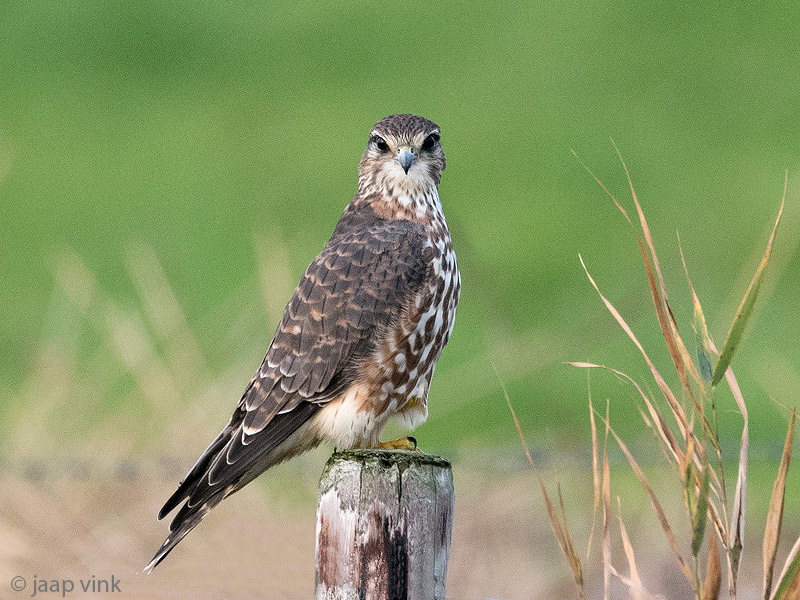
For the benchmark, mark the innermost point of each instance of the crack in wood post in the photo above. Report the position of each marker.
(384, 524)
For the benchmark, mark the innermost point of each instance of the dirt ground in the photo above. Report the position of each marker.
(81, 522)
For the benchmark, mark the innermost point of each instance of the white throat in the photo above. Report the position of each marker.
(415, 191)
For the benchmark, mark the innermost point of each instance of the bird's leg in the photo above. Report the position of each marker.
(406, 443)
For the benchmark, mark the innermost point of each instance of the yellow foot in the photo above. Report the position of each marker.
(406, 443)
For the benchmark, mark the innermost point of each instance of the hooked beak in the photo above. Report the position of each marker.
(406, 157)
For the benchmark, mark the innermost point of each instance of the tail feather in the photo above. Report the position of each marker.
(188, 485)
(220, 472)
(188, 522)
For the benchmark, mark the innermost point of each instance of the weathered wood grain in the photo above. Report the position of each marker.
(384, 525)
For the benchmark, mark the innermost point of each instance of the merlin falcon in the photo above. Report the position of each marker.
(360, 337)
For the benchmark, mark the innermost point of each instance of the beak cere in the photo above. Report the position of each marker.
(406, 157)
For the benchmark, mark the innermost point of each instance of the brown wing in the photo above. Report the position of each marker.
(357, 285)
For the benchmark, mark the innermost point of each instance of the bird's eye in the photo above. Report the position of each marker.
(430, 141)
(380, 143)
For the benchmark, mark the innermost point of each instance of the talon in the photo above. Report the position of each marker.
(406, 443)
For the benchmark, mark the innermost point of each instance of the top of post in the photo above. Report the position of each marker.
(402, 458)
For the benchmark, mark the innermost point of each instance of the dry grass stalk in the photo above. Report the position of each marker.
(606, 486)
(748, 302)
(736, 528)
(662, 517)
(605, 189)
(704, 356)
(788, 587)
(595, 469)
(635, 586)
(713, 580)
(674, 405)
(675, 346)
(705, 493)
(561, 532)
(164, 313)
(642, 593)
(702, 336)
(772, 531)
(669, 327)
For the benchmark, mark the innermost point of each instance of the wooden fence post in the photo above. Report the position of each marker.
(384, 522)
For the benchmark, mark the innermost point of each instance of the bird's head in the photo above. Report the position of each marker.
(403, 157)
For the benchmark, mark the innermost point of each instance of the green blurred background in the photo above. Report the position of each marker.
(196, 128)
(168, 169)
